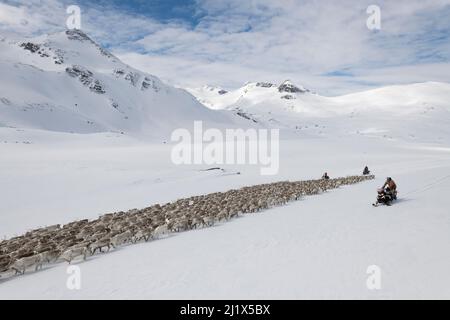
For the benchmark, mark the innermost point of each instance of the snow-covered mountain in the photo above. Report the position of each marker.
(66, 82)
(416, 111)
(251, 93)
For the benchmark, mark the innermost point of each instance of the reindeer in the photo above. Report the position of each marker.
(5, 262)
(120, 239)
(49, 256)
(74, 252)
(159, 231)
(145, 233)
(99, 245)
(20, 265)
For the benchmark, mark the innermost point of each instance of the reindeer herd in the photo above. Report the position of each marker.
(83, 238)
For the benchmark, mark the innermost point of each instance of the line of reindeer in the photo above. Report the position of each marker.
(83, 238)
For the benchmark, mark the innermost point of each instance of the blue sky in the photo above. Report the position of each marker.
(324, 45)
(161, 10)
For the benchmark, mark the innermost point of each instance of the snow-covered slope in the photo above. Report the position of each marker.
(402, 111)
(66, 82)
(318, 247)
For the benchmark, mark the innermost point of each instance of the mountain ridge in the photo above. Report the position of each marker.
(406, 111)
(67, 82)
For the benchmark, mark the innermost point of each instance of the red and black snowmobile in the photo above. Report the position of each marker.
(385, 196)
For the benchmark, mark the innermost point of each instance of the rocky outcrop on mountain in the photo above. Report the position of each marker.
(289, 87)
(134, 77)
(265, 84)
(149, 83)
(59, 56)
(32, 47)
(245, 115)
(44, 51)
(97, 87)
(86, 77)
(78, 35)
(118, 72)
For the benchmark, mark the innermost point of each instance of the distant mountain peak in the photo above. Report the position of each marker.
(289, 87)
(77, 34)
(215, 89)
(265, 84)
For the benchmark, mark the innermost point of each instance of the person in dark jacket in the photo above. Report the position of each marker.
(366, 171)
(325, 176)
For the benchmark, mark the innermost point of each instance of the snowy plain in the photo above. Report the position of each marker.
(319, 247)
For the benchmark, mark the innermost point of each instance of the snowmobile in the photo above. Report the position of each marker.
(385, 196)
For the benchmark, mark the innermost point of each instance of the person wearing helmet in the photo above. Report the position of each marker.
(391, 187)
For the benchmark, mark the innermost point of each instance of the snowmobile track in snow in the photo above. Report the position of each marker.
(85, 237)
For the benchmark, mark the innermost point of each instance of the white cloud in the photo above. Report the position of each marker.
(12, 16)
(300, 40)
(30, 18)
(236, 41)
